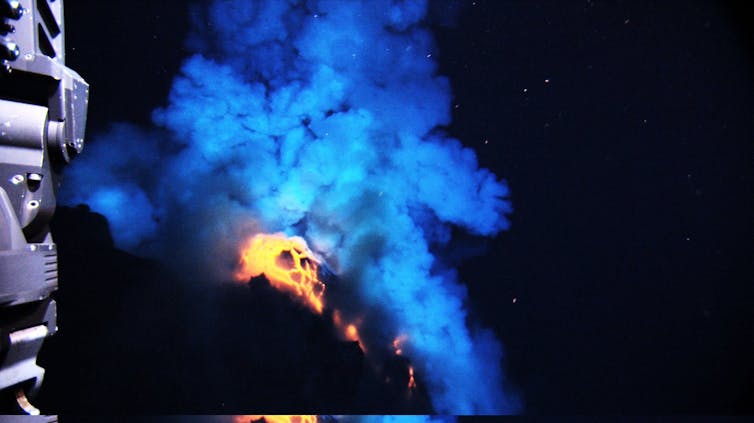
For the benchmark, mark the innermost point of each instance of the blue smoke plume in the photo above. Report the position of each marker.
(318, 119)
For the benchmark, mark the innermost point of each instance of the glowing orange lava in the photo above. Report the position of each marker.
(290, 266)
(287, 263)
(398, 348)
(275, 419)
(350, 330)
(398, 344)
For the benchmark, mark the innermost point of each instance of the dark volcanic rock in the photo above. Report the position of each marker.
(135, 338)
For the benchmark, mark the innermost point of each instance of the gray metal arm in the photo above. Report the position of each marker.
(43, 108)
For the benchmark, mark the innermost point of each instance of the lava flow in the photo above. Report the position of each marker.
(398, 343)
(287, 263)
(350, 330)
(411, 380)
(275, 419)
(290, 266)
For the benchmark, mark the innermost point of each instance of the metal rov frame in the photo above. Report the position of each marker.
(43, 108)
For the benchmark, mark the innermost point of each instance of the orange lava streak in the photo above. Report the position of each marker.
(398, 348)
(287, 263)
(275, 419)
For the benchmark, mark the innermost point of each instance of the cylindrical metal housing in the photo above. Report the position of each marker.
(22, 125)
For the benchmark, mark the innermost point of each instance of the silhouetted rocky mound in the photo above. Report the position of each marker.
(134, 338)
